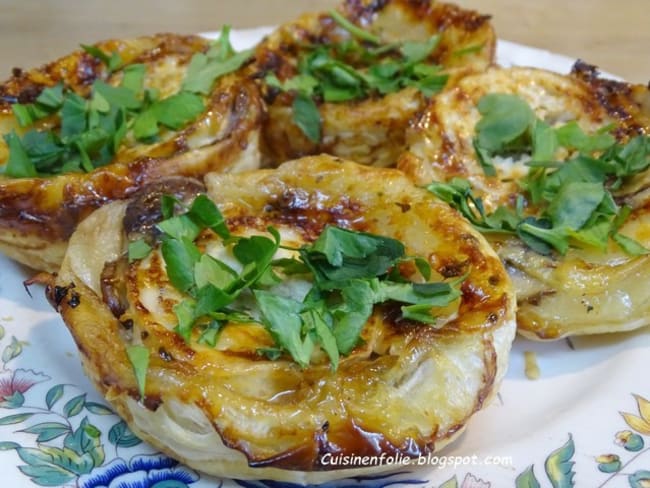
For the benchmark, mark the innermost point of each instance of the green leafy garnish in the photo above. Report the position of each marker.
(92, 130)
(204, 69)
(572, 204)
(112, 61)
(139, 359)
(350, 272)
(350, 70)
(307, 116)
(564, 203)
(356, 31)
(138, 250)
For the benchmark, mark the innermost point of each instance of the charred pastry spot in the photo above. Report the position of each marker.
(494, 280)
(492, 318)
(144, 335)
(536, 299)
(405, 207)
(113, 287)
(453, 269)
(16, 72)
(473, 294)
(144, 210)
(127, 324)
(152, 402)
(164, 355)
(75, 299)
(325, 427)
(56, 294)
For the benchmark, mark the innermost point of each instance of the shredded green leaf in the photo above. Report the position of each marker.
(139, 359)
(350, 272)
(349, 70)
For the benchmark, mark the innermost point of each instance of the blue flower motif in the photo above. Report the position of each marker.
(377, 481)
(154, 471)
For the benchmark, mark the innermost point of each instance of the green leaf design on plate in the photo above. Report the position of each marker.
(170, 484)
(12, 350)
(527, 479)
(98, 409)
(53, 466)
(53, 395)
(47, 431)
(8, 446)
(450, 483)
(85, 441)
(15, 419)
(15, 400)
(121, 436)
(74, 406)
(559, 466)
(640, 479)
(2, 332)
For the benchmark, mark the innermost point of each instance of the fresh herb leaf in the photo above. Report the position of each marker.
(629, 245)
(19, 164)
(204, 69)
(415, 52)
(281, 316)
(574, 204)
(139, 359)
(206, 213)
(355, 30)
(211, 271)
(138, 249)
(113, 61)
(177, 110)
(307, 117)
(185, 316)
(572, 136)
(133, 78)
(505, 118)
(180, 257)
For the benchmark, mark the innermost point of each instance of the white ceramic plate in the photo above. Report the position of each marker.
(563, 430)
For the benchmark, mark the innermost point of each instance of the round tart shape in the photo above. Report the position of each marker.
(585, 290)
(367, 130)
(38, 213)
(406, 389)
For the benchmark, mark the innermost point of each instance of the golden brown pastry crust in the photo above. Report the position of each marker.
(407, 390)
(369, 131)
(38, 215)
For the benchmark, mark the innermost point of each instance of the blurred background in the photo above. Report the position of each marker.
(612, 35)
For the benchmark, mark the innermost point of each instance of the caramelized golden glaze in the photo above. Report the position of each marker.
(586, 291)
(407, 389)
(37, 215)
(368, 131)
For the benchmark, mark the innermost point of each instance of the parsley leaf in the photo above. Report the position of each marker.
(139, 359)
(138, 249)
(19, 164)
(307, 116)
(352, 271)
(112, 61)
(204, 69)
(356, 31)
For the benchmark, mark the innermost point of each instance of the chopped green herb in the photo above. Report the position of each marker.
(112, 61)
(139, 359)
(91, 131)
(356, 31)
(138, 250)
(348, 71)
(307, 116)
(570, 203)
(19, 164)
(352, 271)
(204, 69)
